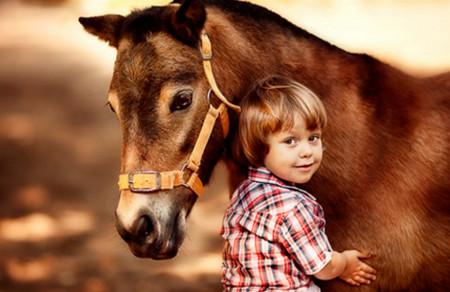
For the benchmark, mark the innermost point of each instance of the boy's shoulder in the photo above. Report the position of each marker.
(256, 196)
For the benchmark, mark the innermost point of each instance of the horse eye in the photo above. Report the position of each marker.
(181, 101)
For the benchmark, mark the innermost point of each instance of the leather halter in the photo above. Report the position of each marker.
(147, 181)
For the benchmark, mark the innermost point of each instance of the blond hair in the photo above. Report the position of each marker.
(272, 106)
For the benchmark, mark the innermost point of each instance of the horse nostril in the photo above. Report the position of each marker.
(144, 227)
(124, 233)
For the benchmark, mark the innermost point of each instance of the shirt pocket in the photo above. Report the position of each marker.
(263, 225)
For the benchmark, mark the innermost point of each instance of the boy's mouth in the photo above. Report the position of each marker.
(304, 166)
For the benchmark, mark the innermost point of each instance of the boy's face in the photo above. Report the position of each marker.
(294, 155)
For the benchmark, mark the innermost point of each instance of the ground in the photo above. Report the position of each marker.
(59, 153)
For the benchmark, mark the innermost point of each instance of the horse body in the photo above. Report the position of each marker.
(383, 182)
(385, 169)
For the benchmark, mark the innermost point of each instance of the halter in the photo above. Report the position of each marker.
(147, 181)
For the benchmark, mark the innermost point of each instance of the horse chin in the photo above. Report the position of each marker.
(155, 255)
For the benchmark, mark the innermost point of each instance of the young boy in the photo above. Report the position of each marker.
(274, 231)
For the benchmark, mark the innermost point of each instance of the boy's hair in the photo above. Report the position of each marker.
(272, 106)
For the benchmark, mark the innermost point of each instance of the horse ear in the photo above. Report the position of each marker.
(106, 27)
(188, 21)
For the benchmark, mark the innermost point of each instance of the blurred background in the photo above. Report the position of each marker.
(59, 144)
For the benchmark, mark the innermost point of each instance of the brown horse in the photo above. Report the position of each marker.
(384, 179)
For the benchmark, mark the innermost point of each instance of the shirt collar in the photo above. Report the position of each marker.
(264, 175)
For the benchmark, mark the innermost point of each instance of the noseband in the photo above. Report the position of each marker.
(148, 181)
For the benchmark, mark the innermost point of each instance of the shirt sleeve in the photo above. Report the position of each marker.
(304, 238)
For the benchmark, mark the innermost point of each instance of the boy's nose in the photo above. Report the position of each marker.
(305, 151)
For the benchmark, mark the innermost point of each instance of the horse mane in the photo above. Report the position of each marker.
(251, 11)
(142, 21)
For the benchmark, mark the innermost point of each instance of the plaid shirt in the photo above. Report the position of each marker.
(274, 236)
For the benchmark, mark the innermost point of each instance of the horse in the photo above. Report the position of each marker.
(383, 182)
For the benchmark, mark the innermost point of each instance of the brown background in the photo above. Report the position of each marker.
(59, 144)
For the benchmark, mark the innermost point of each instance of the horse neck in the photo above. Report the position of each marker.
(246, 52)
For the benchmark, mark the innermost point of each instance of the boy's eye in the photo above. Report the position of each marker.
(314, 138)
(289, 141)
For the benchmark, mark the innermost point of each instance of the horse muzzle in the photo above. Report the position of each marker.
(156, 230)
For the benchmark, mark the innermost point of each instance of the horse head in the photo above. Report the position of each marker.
(162, 99)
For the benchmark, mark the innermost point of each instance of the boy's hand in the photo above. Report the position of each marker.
(357, 272)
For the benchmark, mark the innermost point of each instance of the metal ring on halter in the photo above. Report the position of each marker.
(184, 166)
(183, 169)
(208, 95)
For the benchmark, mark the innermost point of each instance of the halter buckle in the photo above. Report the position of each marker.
(131, 182)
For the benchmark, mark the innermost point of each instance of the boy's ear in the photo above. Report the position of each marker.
(106, 27)
(188, 21)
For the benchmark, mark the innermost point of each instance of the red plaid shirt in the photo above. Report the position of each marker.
(274, 236)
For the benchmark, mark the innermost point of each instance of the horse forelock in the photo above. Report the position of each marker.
(140, 23)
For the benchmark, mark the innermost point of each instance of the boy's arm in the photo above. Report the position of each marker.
(334, 268)
(306, 244)
(348, 266)
(312, 251)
